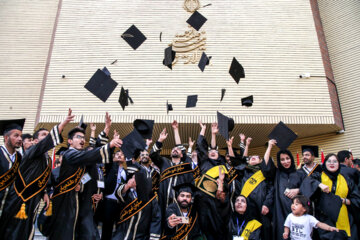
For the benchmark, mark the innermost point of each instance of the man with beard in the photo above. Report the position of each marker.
(309, 166)
(214, 210)
(182, 215)
(9, 157)
(23, 200)
(346, 169)
(65, 198)
(173, 172)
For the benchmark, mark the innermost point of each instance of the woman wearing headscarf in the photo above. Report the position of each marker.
(287, 182)
(333, 194)
(242, 224)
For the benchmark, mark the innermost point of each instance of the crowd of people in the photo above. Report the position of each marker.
(132, 191)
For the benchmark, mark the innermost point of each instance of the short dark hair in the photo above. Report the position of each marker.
(304, 201)
(356, 161)
(343, 154)
(26, 136)
(72, 132)
(36, 133)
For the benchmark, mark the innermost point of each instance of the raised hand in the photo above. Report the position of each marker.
(163, 135)
(248, 140)
(175, 125)
(214, 128)
(272, 142)
(203, 126)
(107, 123)
(242, 137)
(68, 119)
(92, 127)
(191, 143)
(116, 141)
(229, 142)
(148, 142)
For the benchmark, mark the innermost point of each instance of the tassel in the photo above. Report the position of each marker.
(49, 210)
(22, 214)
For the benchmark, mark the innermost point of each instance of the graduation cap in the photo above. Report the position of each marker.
(191, 101)
(247, 101)
(8, 125)
(204, 60)
(314, 150)
(82, 124)
(131, 143)
(106, 71)
(283, 135)
(196, 20)
(101, 84)
(236, 70)
(185, 187)
(133, 37)
(169, 107)
(330, 205)
(169, 57)
(222, 94)
(124, 98)
(144, 127)
(225, 124)
(61, 151)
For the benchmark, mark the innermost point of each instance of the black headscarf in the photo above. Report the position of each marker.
(332, 175)
(292, 167)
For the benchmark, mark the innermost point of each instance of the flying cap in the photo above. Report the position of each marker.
(314, 150)
(133, 37)
(169, 57)
(8, 125)
(283, 135)
(236, 70)
(144, 127)
(222, 94)
(204, 60)
(196, 20)
(131, 143)
(247, 101)
(191, 101)
(101, 85)
(225, 124)
(124, 98)
(169, 107)
(82, 124)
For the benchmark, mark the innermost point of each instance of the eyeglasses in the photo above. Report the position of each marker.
(80, 137)
(332, 161)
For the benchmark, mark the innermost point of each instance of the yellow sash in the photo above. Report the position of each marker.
(214, 171)
(250, 227)
(252, 183)
(342, 191)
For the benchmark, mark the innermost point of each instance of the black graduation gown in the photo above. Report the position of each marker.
(33, 164)
(303, 174)
(311, 190)
(66, 206)
(5, 165)
(175, 209)
(166, 193)
(282, 204)
(144, 225)
(233, 229)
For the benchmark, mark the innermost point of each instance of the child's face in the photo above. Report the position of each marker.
(297, 208)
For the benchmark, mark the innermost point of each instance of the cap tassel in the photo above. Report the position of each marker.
(49, 210)
(22, 214)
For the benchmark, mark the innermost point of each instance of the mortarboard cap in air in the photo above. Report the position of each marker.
(61, 151)
(8, 125)
(169, 107)
(204, 60)
(133, 37)
(314, 150)
(82, 124)
(191, 101)
(106, 71)
(101, 85)
(236, 70)
(283, 135)
(247, 101)
(169, 57)
(225, 125)
(222, 94)
(132, 143)
(144, 127)
(124, 98)
(196, 20)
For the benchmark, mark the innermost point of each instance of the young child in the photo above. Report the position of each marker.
(301, 224)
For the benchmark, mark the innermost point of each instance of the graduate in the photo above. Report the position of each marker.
(182, 215)
(9, 158)
(309, 167)
(334, 196)
(243, 224)
(141, 217)
(287, 182)
(23, 199)
(72, 179)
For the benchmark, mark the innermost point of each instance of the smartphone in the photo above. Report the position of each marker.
(286, 191)
(184, 220)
